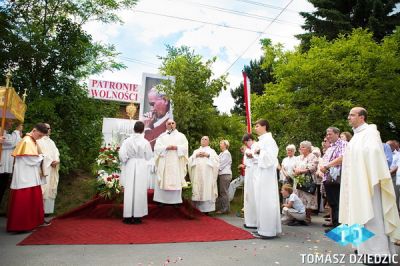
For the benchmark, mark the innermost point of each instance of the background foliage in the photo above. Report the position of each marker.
(316, 89)
(49, 53)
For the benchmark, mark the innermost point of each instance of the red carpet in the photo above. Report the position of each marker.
(92, 223)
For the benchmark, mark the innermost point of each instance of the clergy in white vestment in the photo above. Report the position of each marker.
(25, 211)
(51, 166)
(203, 171)
(251, 163)
(135, 154)
(366, 193)
(266, 184)
(171, 158)
(9, 141)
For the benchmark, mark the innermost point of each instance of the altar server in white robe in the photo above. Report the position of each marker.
(203, 172)
(251, 163)
(51, 166)
(266, 184)
(171, 158)
(367, 195)
(9, 141)
(25, 210)
(135, 154)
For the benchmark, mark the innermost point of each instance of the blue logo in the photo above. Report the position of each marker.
(344, 234)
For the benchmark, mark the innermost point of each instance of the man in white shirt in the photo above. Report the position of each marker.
(51, 166)
(203, 172)
(134, 154)
(26, 200)
(366, 193)
(171, 158)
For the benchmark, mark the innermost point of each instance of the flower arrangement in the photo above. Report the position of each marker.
(107, 169)
(108, 159)
(301, 180)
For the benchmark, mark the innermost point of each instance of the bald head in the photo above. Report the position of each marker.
(357, 116)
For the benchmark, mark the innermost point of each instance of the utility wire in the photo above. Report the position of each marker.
(239, 13)
(210, 23)
(258, 37)
(266, 5)
(138, 61)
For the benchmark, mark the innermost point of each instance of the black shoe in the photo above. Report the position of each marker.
(328, 230)
(176, 206)
(257, 235)
(303, 223)
(127, 221)
(249, 227)
(326, 216)
(137, 220)
(293, 223)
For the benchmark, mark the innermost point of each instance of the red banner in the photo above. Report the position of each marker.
(247, 97)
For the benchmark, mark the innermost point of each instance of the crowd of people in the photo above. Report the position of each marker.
(356, 177)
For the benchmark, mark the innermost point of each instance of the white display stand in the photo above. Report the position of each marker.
(115, 130)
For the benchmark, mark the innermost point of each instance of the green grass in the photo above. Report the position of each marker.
(73, 190)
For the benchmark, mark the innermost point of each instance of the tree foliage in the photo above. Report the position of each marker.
(334, 17)
(192, 97)
(49, 53)
(316, 89)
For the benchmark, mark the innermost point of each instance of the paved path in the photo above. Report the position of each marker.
(284, 250)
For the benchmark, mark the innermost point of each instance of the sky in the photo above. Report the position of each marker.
(153, 24)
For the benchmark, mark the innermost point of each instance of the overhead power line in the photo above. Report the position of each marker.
(266, 5)
(209, 23)
(239, 13)
(258, 37)
(137, 61)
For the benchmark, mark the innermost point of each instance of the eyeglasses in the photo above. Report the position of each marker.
(170, 123)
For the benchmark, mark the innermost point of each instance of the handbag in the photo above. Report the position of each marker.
(334, 175)
(309, 186)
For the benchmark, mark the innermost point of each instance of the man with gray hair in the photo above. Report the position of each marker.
(332, 171)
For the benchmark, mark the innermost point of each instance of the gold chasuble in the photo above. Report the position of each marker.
(26, 147)
(365, 166)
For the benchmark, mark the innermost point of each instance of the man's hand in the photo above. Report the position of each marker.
(249, 155)
(323, 168)
(172, 148)
(54, 163)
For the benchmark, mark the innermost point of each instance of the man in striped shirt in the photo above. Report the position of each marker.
(332, 171)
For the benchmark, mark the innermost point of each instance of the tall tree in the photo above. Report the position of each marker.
(316, 89)
(50, 54)
(334, 17)
(192, 96)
